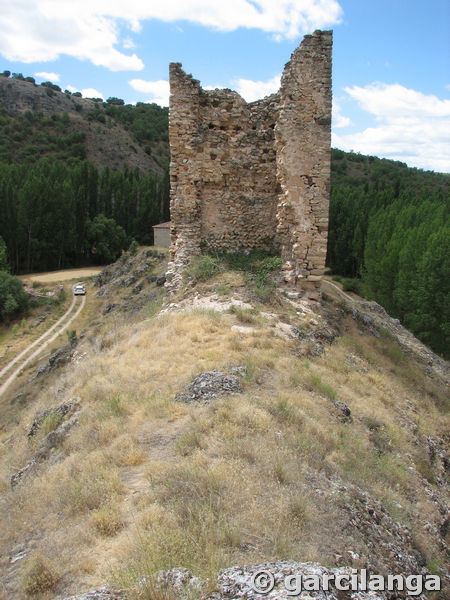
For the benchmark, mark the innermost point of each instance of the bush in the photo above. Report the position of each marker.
(39, 575)
(13, 300)
(351, 285)
(257, 267)
(115, 101)
(204, 267)
(107, 520)
(133, 248)
(61, 296)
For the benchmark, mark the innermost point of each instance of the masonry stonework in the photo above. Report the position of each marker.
(254, 175)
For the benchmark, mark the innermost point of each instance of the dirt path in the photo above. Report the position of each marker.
(336, 287)
(42, 342)
(38, 341)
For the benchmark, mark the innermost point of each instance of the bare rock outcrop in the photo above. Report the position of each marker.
(208, 385)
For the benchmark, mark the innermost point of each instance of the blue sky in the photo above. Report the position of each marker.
(391, 80)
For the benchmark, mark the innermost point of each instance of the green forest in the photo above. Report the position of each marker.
(59, 210)
(389, 230)
(55, 215)
(389, 240)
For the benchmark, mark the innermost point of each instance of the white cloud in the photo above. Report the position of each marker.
(47, 76)
(91, 93)
(86, 92)
(42, 30)
(394, 102)
(159, 90)
(128, 43)
(254, 90)
(411, 126)
(339, 120)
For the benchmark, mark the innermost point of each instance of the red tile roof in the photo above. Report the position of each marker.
(163, 225)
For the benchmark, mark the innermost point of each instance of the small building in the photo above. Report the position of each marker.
(161, 235)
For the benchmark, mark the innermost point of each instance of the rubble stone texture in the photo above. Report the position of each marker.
(254, 175)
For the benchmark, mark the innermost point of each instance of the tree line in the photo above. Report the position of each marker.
(390, 235)
(55, 215)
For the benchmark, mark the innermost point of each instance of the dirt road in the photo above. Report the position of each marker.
(42, 342)
(54, 276)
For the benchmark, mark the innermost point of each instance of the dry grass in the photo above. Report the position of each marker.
(39, 575)
(145, 483)
(107, 520)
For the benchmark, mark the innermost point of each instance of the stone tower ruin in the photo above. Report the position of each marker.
(254, 175)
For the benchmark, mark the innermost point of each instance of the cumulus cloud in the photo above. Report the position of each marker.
(42, 30)
(410, 126)
(128, 43)
(91, 93)
(393, 102)
(339, 120)
(86, 92)
(254, 90)
(48, 76)
(159, 90)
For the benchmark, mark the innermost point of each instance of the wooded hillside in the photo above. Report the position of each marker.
(390, 229)
(80, 178)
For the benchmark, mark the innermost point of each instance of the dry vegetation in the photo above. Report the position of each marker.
(146, 483)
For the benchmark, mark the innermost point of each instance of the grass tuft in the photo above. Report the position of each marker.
(322, 387)
(39, 575)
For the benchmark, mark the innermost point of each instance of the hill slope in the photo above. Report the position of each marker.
(389, 228)
(225, 426)
(32, 112)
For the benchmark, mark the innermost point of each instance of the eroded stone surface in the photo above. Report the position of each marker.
(104, 593)
(239, 582)
(208, 385)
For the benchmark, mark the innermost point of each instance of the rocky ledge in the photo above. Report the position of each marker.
(280, 580)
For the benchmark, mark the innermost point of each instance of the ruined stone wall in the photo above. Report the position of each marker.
(303, 139)
(254, 175)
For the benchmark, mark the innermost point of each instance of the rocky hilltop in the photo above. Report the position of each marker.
(231, 424)
(107, 142)
(18, 96)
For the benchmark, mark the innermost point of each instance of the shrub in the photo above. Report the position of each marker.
(50, 422)
(204, 267)
(107, 520)
(13, 300)
(351, 285)
(40, 575)
(244, 315)
(88, 488)
(133, 248)
(61, 296)
(257, 266)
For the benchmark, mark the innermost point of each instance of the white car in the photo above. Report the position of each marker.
(79, 290)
